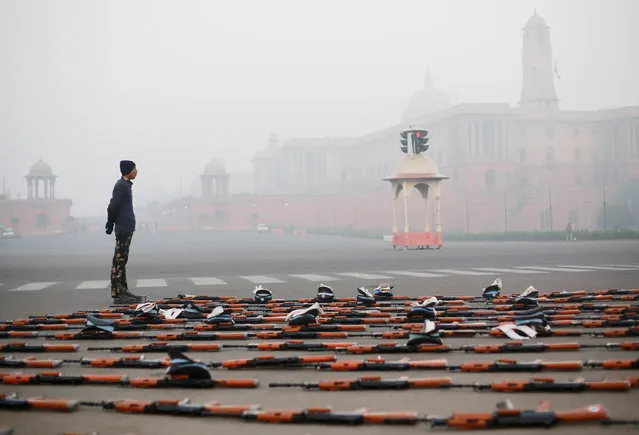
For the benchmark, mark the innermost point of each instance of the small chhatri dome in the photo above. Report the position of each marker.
(215, 167)
(40, 169)
(418, 164)
(536, 21)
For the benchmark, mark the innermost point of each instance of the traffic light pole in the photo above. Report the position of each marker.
(417, 172)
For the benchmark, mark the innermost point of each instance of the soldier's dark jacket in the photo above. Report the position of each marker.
(120, 209)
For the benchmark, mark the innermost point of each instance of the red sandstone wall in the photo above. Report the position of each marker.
(56, 211)
(480, 213)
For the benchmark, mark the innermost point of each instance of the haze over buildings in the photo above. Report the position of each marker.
(173, 85)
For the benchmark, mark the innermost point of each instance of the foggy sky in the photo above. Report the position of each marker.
(173, 84)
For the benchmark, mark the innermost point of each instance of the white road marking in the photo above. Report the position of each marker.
(415, 274)
(601, 267)
(495, 270)
(32, 286)
(621, 265)
(461, 272)
(316, 278)
(261, 279)
(152, 283)
(554, 269)
(208, 281)
(365, 275)
(93, 285)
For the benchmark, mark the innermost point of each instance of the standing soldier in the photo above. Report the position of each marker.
(569, 232)
(120, 214)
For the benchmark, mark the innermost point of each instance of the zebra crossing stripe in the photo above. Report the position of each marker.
(152, 283)
(32, 286)
(92, 285)
(622, 265)
(208, 281)
(461, 272)
(496, 270)
(602, 267)
(414, 274)
(554, 269)
(261, 279)
(365, 275)
(315, 278)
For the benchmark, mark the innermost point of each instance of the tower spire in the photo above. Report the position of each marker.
(538, 88)
(428, 78)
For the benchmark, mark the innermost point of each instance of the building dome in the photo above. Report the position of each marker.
(426, 100)
(215, 167)
(40, 169)
(536, 21)
(273, 141)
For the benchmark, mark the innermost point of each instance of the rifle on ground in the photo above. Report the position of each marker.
(546, 385)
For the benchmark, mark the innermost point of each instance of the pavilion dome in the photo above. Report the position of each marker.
(40, 169)
(214, 167)
(417, 164)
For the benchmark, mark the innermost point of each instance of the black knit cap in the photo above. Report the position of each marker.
(126, 166)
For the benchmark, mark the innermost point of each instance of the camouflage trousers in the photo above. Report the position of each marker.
(120, 258)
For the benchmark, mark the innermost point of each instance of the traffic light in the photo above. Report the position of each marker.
(421, 141)
(404, 141)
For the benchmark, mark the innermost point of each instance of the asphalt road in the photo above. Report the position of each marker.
(165, 263)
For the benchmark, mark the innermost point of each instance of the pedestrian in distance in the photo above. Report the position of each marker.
(120, 215)
(569, 236)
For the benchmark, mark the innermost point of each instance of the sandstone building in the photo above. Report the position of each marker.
(531, 166)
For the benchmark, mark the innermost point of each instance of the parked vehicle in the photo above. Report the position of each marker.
(263, 228)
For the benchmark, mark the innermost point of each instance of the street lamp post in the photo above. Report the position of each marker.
(505, 211)
(605, 223)
(550, 208)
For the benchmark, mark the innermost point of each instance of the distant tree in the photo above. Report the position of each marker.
(628, 194)
(618, 216)
(219, 216)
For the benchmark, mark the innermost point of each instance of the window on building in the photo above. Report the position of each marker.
(509, 177)
(575, 132)
(577, 155)
(522, 155)
(550, 155)
(550, 132)
(578, 181)
(488, 138)
(489, 178)
(499, 134)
